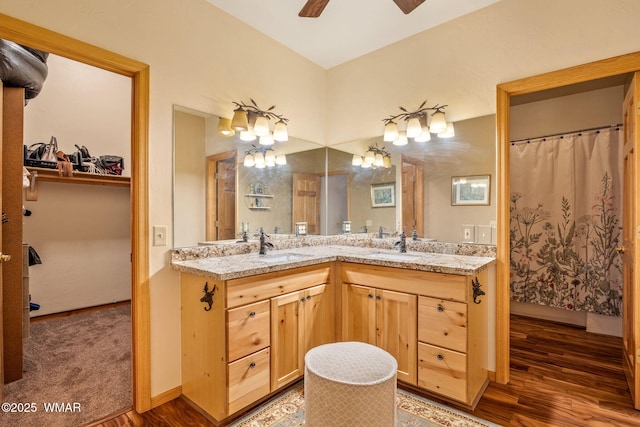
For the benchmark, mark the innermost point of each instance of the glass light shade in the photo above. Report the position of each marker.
(390, 131)
(224, 127)
(356, 160)
(379, 160)
(438, 122)
(248, 135)
(387, 162)
(258, 160)
(280, 131)
(248, 160)
(270, 158)
(449, 132)
(365, 165)
(281, 159)
(261, 128)
(425, 136)
(414, 128)
(260, 166)
(369, 157)
(401, 139)
(266, 139)
(239, 121)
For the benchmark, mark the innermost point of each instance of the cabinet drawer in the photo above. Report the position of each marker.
(442, 371)
(247, 329)
(249, 380)
(443, 323)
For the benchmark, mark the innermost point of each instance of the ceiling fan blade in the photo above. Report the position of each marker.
(313, 8)
(407, 6)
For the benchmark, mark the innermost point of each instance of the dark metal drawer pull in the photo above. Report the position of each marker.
(252, 314)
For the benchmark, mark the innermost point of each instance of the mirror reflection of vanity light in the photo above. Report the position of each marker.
(301, 228)
(346, 227)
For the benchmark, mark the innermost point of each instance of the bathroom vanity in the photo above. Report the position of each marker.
(248, 320)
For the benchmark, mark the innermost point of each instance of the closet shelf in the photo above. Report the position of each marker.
(44, 174)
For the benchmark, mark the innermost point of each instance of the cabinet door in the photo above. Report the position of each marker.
(396, 321)
(360, 314)
(286, 339)
(318, 325)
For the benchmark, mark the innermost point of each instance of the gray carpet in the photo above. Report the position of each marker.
(81, 362)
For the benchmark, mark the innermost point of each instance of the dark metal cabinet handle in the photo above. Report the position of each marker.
(252, 314)
(440, 357)
(378, 297)
(302, 299)
(440, 308)
(252, 365)
(308, 297)
(370, 296)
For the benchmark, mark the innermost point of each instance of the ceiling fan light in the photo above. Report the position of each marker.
(438, 122)
(414, 128)
(248, 160)
(401, 139)
(281, 159)
(239, 121)
(261, 128)
(390, 131)
(356, 160)
(280, 131)
(449, 132)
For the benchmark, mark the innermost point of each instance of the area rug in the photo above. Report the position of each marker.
(287, 410)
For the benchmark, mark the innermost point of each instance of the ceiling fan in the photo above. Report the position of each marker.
(313, 8)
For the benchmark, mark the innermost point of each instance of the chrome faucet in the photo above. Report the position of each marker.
(381, 232)
(414, 235)
(364, 229)
(402, 243)
(263, 243)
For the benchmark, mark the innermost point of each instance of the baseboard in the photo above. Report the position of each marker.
(165, 397)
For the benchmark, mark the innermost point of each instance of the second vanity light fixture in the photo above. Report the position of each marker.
(253, 123)
(417, 128)
(374, 157)
(261, 157)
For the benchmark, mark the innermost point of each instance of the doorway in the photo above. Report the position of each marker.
(40, 38)
(412, 195)
(221, 195)
(584, 73)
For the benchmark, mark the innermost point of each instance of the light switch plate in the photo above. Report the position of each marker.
(160, 235)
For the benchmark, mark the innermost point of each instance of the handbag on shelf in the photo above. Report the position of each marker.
(65, 168)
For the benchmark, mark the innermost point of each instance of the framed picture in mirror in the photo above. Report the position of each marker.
(383, 195)
(470, 190)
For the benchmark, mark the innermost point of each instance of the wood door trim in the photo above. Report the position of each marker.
(581, 73)
(211, 204)
(41, 38)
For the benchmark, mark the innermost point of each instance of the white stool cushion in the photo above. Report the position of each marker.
(349, 384)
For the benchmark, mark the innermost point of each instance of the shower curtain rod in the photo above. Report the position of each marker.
(513, 141)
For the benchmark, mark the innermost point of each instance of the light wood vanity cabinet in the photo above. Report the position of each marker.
(253, 338)
(385, 306)
(386, 319)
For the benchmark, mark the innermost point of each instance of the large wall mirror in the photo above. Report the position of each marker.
(216, 196)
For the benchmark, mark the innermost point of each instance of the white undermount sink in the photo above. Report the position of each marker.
(393, 256)
(284, 257)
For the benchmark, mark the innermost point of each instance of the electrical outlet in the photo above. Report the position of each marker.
(160, 235)
(467, 233)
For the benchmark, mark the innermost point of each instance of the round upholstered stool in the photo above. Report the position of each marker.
(349, 384)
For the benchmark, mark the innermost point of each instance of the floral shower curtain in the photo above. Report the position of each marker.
(566, 221)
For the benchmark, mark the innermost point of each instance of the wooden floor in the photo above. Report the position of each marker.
(560, 376)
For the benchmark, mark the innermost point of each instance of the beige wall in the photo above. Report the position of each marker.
(81, 232)
(203, 59)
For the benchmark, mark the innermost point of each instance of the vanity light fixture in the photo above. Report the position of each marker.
(224, 127)
(417, 127)
(252, 121)
(375, 157)
(261, 157)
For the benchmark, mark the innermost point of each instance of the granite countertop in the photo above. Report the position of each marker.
(243, 265)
